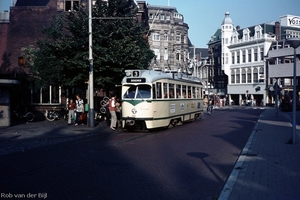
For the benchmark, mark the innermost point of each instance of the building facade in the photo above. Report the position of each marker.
(280, 60)
(241, 54)
(168, 38)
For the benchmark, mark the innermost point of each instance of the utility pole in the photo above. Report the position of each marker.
(91, 72)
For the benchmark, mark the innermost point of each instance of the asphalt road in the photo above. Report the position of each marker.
(191, 161)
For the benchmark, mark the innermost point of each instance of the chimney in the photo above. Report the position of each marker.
(277, 30)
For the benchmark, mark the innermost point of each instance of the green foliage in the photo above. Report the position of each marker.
(62, 57)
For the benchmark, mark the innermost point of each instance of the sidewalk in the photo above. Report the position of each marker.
(269, 166)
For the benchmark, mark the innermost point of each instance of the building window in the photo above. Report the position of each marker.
(237, 76)
(166, 54)
(162, 16)
(232, 58)
(68, 5)
(238, 58)
(249, 55)
(234, 39)
(157, 54)
(249, 77)
(151, 16)
(167, 17)
(226, 58)
(232, 76)
(257, 34)
(46, 95)
(255, 75)
(165, 36)
(178, 37)
(261, 54)
(255, 55)
(156, 36)
(243, 76)
(244, 56)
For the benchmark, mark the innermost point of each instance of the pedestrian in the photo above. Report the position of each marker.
(79, 110)
(118, 113)
(71, 113)
(112, 110)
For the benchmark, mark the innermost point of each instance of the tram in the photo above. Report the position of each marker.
(153, 99)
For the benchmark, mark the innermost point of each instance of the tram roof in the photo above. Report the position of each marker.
(149, 76)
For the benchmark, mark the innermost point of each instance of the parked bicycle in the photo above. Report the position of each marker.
(18, 114)
(102, 114)
(51, 115)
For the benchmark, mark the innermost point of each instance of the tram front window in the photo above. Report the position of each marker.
(138, 92)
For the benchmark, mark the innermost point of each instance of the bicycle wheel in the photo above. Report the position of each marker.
(103, 110)
(50, 116)
(29, 116)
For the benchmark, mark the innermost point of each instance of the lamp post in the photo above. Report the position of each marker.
(91, 72)
(295, 43)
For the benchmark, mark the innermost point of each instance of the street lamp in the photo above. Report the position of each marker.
(91, 72)
(295, 43)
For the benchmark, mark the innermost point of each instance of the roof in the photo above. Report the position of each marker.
(31, 3)
(227, 19)
(202, 51)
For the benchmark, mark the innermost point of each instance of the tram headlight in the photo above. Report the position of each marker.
(128, 73)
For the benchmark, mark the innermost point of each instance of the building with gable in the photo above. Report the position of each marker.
(168, 38)
(241, 55)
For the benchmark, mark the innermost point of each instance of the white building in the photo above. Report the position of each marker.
(242, 57)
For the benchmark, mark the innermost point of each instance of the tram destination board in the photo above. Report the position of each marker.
(136, 80)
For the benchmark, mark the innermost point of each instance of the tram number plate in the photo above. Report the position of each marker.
(135, 73)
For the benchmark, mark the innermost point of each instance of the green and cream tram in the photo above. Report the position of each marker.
(153, 99)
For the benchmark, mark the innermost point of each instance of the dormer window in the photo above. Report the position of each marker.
(258, 32)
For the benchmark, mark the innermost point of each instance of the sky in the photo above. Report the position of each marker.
(204, 17)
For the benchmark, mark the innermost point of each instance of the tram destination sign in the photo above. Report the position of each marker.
(136, 80)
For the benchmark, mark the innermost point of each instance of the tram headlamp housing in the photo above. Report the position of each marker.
(128, 73)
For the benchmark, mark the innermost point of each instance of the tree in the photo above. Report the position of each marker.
(62, 57)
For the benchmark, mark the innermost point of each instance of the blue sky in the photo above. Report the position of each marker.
(204, 17)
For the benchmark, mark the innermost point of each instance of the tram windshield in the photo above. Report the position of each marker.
(138, 92)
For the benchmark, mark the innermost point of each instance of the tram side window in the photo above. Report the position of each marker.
(153, 91)
(165, 90)
(193, 92)
(189, 92)
(198, 92)
(183, 92)
(130, 93)
(171, 90)
(143, 91)
(158, 90)
(178, 91)
(201, 92)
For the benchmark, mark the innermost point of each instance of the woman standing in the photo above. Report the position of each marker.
(79, 109)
